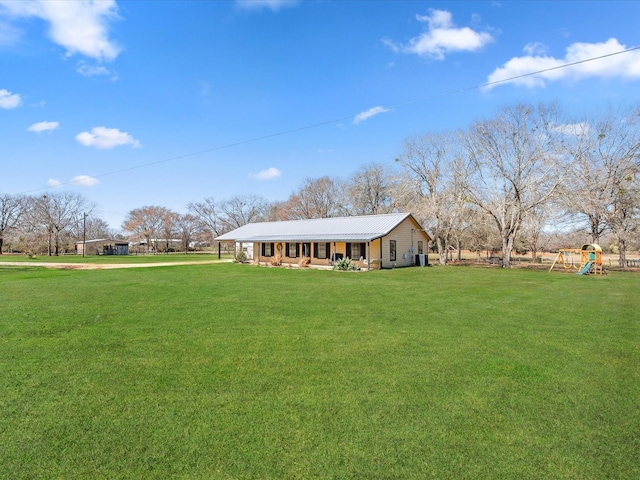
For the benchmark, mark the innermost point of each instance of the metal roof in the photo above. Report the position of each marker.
(341, 229)
(101, 240)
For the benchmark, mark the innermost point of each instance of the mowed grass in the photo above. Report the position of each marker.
(237, 372)
(114, 259)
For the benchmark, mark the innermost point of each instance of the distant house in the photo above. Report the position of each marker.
(373, 241)
(102, 246)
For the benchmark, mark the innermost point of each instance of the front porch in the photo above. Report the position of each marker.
(317, 254)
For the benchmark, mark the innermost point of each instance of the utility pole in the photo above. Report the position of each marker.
(84, 232)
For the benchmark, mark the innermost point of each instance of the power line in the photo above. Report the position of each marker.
(516, 77)
(344, 118)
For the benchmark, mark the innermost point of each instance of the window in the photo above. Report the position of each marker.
(267, 249)
(420, 250)
(356, 250)
(291, 250)
(392, 250)
(321, 250)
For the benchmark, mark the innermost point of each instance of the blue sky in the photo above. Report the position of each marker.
(134, 103)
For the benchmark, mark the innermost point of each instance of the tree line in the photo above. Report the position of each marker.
(515, 181)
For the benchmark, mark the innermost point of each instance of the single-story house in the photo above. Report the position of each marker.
(374, 241)
(103, 246)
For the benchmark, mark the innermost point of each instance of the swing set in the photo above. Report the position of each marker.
(587, 259)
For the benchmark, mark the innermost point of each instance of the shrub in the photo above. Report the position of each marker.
(241, 257)
(345, 264)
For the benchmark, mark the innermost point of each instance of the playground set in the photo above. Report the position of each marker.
(587, 259)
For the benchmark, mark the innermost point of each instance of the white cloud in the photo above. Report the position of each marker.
(573, 129)
(84, 180)
(626, 65)
(94, 70)
(81, 180)
(78, 26)
(441, 37)
(268, 174)
(535, 48)
(9, 100)
(43, 127)
(105, 138)
(9, 35)
(362, 116)
(274, 5)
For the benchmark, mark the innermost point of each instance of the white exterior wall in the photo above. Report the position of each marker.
(247, 248)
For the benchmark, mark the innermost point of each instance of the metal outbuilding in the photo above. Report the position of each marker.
(102, 246)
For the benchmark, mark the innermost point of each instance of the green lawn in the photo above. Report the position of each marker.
(110, 259)
(235, 372)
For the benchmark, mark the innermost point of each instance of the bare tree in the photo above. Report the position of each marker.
(317, 198)
(481, 235)
(93, 227)
(98, 228)
(277, 211)
(12, 207)
(168, 227)
(432, 162)
(187, 226)
(513, 167)
(145, 222)
(606, 154)
(207, 213)
(370, 190)
(240, 210)
(533, 222)
(57, 213)
(619, 151)
(584, 194)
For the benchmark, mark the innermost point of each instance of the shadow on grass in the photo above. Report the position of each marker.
(29, 268)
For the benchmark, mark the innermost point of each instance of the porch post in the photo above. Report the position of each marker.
(368, 255)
